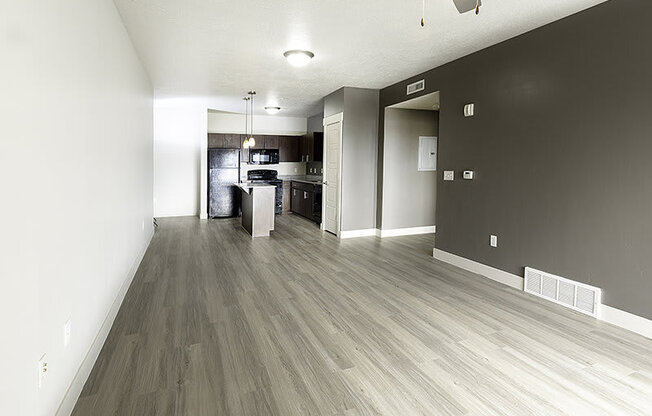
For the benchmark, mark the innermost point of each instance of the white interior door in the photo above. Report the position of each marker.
(332, 163)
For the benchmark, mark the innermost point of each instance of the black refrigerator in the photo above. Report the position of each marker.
(223, 173)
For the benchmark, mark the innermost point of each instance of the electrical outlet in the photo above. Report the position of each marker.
(67, 332)
(295, 170)
(449, 175)
(142, 225)
(493, 241)
(42, 370)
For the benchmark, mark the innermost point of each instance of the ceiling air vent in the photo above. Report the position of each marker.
(577, 296)
(416, 87)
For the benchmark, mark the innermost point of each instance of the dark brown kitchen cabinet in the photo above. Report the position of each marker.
(223, 141)
(288, 149)
(271, 142)
(215, 141)
(260, 142)
(231, 141)
(297, 201)
(306, 148)
(318, 147)
(312, 147)
(306, 200)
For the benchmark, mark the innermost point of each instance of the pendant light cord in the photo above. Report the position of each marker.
(423, 13)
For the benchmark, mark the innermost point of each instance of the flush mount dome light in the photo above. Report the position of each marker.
(272, 110)
(298, 57)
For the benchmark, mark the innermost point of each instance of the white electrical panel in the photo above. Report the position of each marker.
(427, 153)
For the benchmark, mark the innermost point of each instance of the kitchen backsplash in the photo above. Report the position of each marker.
(283, 168)
(314, 168)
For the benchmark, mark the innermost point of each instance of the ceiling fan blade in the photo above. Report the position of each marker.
(464, 6)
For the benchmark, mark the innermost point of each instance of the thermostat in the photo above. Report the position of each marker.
(468, 174)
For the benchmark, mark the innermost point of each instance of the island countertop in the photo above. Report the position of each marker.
(248, 186)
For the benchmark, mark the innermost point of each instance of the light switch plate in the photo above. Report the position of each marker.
(493, 241)
(449, 175)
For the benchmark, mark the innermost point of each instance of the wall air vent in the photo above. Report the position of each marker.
(416, 87)
(577, 296)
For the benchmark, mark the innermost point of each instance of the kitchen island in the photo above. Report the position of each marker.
(258, 201)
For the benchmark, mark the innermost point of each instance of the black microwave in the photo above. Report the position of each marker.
(263, 156)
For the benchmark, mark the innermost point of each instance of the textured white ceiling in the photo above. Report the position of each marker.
(222, 48)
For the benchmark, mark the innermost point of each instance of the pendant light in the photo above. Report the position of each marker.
(249, 121)
(245, 144)
(252, 141)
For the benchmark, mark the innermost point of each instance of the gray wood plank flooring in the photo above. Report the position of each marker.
(303, 324)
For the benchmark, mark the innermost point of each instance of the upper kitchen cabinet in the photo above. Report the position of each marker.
(318, 146)
(288, 149)
(271, 142)
(232, 141)
(260, 142)
(312, 147)
(223, 141)
(215, 141)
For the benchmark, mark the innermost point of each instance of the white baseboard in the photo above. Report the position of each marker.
(492, 273)
(407, 231)
(629, 321)
(358, 233)
(617, 317)
(75, 388)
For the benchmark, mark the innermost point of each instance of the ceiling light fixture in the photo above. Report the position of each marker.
(272, 110)
(298, 57)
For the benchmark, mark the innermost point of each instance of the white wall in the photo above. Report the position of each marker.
(76, 180)
(181, 127)
(177, 158)
(220, 122)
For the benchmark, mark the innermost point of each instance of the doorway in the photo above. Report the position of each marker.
(411, 130)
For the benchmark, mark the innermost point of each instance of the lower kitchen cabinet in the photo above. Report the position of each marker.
(305, 200)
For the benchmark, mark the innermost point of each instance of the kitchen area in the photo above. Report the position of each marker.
(239, 166)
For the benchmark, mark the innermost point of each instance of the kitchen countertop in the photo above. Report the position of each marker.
(247, 186)
(312, 179)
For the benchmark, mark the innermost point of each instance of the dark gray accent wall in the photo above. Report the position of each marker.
(561, 144)
(409, 195)
(359, 155)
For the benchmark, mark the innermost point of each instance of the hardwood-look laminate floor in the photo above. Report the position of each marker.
(303, 324)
